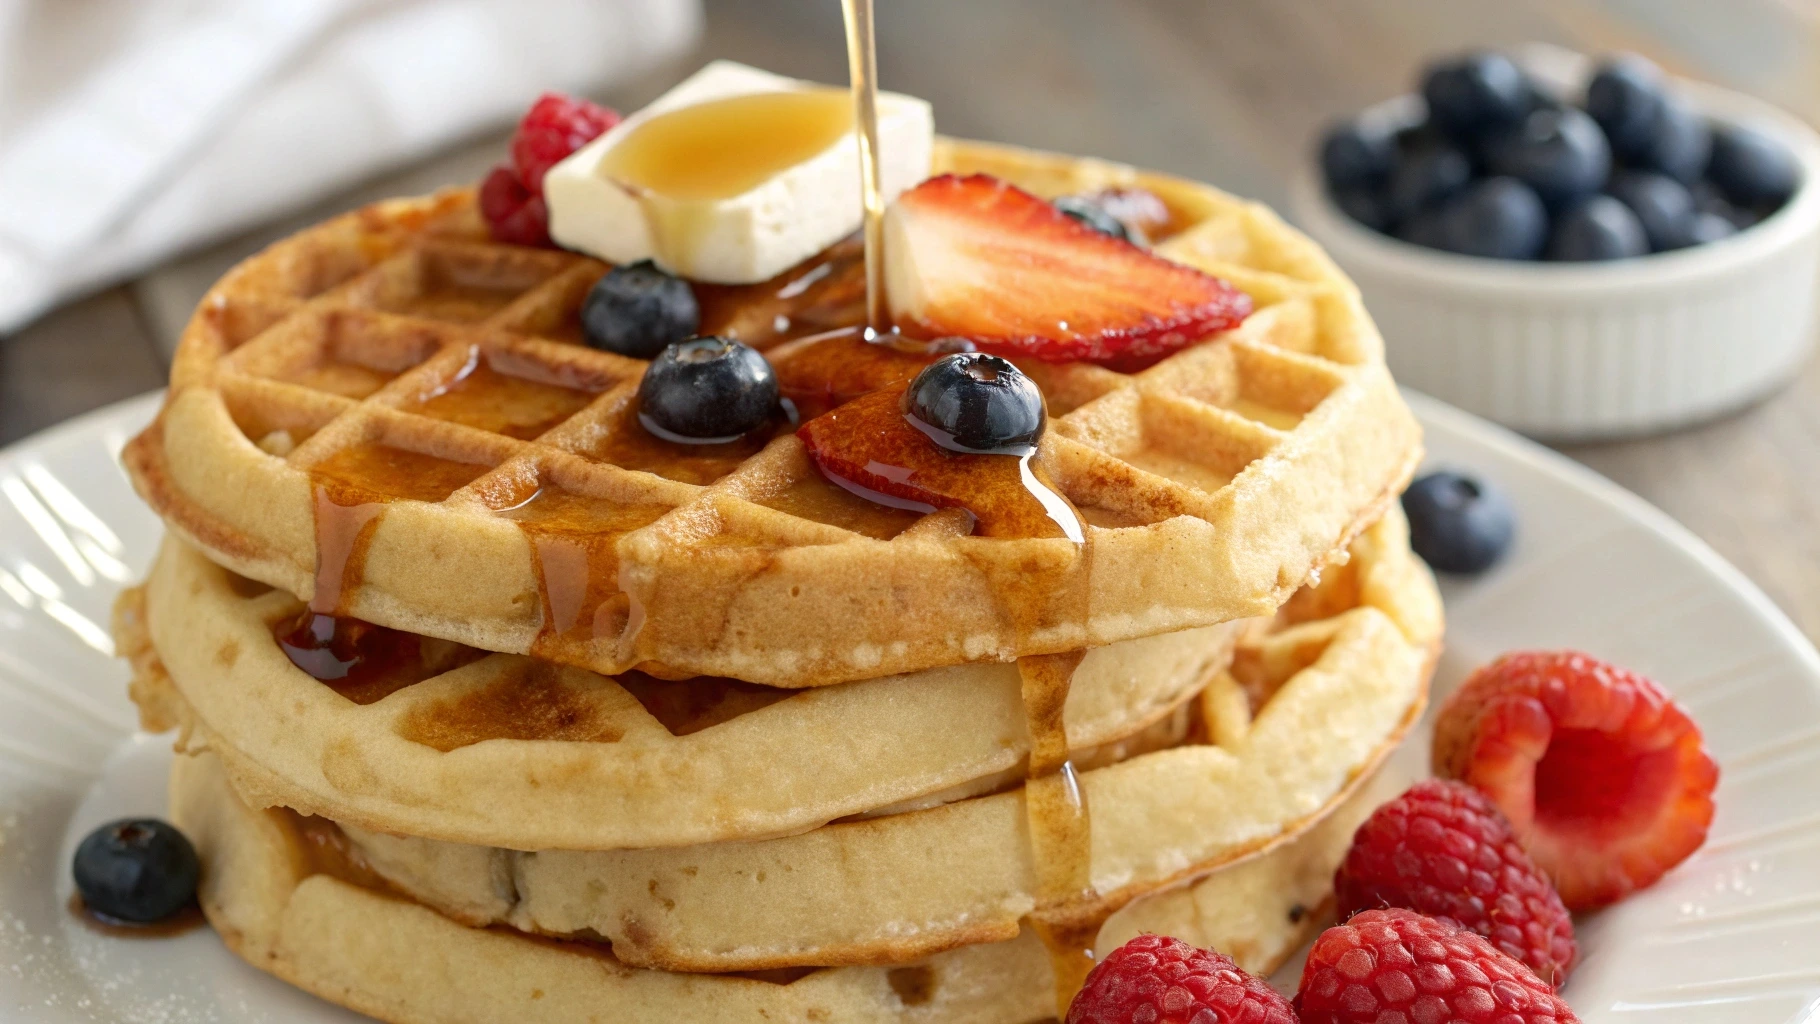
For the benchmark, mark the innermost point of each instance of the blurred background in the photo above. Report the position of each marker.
(220, 125)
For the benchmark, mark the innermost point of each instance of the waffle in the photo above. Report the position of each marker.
(502, 750)
(388, 409)
(354, 943)
(1311, 705)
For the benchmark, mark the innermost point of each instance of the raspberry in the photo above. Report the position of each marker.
(1398, 966)
(1154, 979)
(555, 126)
(1603, 777)
(1443, 850)
(512, 213)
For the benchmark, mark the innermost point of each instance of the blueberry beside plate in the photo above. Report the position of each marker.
(1499, 167)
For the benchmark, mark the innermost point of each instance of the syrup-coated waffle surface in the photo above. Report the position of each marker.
(353, 943)
(392, 406)
(1312, 704)
(450, 743)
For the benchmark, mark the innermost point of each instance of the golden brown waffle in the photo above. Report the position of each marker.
(1312, 704)
(368, 949)
(412, 368)
(502, 750)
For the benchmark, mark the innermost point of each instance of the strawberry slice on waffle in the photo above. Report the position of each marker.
(975, 257)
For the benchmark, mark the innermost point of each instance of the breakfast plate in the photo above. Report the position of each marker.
(1726, 936)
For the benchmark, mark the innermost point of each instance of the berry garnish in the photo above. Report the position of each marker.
(1603, 776)
(638, 310)
(1600, 228)
(706, 390)
(1663, 206)
(1624, 97)
(1154, 979)
(1499, 218)
(1752, 169)
(977, 258)
(1479, 93)
(555, 126)
(1397, 965)
(1354, 154)
(1560, 152)
(136, 871)
(1142, 211)
(1444, 850)
(1094, 216)
(1456, 523)
(973, 402)
(512, 213)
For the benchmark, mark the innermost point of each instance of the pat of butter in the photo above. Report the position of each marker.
(729, 217)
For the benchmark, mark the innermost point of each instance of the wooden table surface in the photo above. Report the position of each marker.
(1228, 91)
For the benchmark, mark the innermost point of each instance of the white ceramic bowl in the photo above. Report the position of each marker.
(1589, 350)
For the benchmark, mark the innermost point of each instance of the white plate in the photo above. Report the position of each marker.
(1732, 935)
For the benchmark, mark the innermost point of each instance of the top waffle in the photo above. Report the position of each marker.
(394, 406)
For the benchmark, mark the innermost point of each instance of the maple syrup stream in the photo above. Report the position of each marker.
(862, 65)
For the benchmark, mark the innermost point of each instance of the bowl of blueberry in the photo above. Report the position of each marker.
(1576, 247)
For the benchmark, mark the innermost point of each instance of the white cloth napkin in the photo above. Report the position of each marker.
(132, 129)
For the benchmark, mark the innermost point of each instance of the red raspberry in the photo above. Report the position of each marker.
(1603, 777)
(1443, 850)
(1397, 966)
(1154, 979)
(512, 213)
(555, 126)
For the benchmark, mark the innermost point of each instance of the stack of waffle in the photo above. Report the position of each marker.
(499, 707)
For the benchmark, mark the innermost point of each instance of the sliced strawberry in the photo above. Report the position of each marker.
(1603, 776)
(869, 444)
(977, 258)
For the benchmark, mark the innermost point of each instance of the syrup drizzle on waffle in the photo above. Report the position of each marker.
(809, 320)
(1061, 830)
(574, 542)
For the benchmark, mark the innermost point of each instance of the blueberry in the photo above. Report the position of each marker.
(1624, 96)
(1679, 144)
(1423, 229)
(1457, 523)
(1093, 215)
(1366, 204)
(1601, 228)
(1476, 94)
(1560, 152)
(637, 309)
(1352, 154)
(707, 389)
(1424, 179)
(1500, 218)
(1663, 205)
(1708, 199)
(1418, 138)
(975, 402)
(136, 870)
(1751, 168)
(1709, 227)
